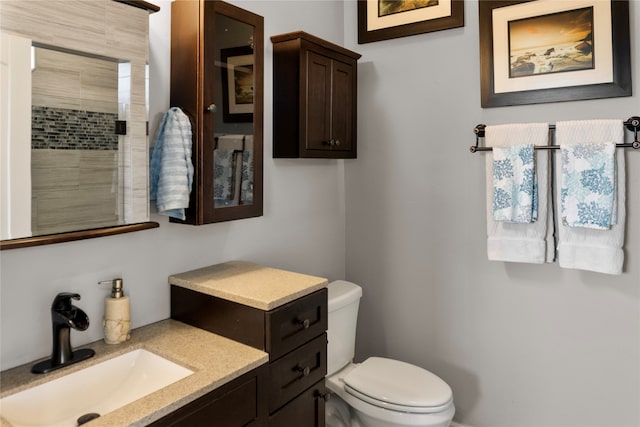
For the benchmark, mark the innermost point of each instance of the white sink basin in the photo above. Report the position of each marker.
(98, 389)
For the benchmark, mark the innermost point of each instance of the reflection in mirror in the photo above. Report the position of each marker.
(234, 83)
(76, 160)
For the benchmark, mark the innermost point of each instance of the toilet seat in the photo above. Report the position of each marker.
(398, 386)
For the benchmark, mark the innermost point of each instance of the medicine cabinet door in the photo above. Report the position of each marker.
(217, 79)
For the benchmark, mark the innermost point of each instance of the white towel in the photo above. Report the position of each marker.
(586, 248)
(171, 170)
(520, 242)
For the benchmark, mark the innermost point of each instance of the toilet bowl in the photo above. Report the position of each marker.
(378, 392)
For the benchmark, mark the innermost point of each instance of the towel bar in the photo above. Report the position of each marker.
(632, 124)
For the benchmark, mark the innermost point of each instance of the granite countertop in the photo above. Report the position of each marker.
(250, 284)
(215, 360)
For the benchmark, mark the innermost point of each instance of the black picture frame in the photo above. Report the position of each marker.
(620, 86)
(242, 57)
(455, 20)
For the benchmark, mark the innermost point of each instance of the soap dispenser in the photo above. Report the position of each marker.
(117, 314)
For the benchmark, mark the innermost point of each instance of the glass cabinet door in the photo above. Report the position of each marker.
(217, 79)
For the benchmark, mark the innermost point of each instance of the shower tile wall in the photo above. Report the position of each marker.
(64, 129)
(74, 158)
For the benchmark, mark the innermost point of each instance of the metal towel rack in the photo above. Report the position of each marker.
(632, 124)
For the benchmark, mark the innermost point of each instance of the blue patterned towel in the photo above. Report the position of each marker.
(223, 174)
(514, 184)
(246, 189)
(227, 158)
(588, 185)
(170, 168)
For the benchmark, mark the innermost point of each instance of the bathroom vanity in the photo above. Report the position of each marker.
(253, 336)
(276, 311)
(219, 366)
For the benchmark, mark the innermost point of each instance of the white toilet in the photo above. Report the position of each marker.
(378, 392)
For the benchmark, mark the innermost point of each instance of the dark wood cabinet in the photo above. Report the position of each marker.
(238, 403)
(306, 410)
(210, 40)
(314, 98)
(293, 334)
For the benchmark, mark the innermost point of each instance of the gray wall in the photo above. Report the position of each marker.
(303, 227)
(521, 345)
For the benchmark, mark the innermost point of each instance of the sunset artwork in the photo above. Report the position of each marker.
(551, 43)
(389, 7)
(243, 84)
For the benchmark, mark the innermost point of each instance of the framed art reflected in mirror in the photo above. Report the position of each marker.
(237, 84)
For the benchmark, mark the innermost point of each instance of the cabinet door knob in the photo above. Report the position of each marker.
(305, 370)
(326, 395)
(337, 142)
(212, 108)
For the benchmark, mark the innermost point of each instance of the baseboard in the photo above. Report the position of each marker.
(455, 424)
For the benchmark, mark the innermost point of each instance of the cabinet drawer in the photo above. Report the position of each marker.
(305, 410)
(294, 324)
(297, 371)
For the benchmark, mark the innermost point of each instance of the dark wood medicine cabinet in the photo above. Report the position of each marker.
(314, 98)
(217, 55)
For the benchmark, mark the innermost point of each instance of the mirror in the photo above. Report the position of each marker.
(74, 147)
(234, 90)
(217, 61)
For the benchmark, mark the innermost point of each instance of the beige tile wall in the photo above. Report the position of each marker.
(73, 190)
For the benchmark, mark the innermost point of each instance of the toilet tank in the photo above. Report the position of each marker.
(343, 303)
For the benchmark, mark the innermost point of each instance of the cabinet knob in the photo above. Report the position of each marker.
(337, 142)
(212, 108)
(305, 323)
(304, 369)
(330, 143)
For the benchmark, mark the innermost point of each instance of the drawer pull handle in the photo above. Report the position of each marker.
(305, 323)
(305, 370)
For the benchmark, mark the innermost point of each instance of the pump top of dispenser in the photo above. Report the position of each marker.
(116, 287)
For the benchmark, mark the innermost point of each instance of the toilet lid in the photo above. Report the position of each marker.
(398, 386)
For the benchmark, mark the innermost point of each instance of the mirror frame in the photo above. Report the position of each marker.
(25, 242)
(88, 233)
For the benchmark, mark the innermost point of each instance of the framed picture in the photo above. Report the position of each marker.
(541, 51)
(390, 19)
(237, 84)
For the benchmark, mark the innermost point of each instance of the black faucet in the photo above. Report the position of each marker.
(64, 316)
